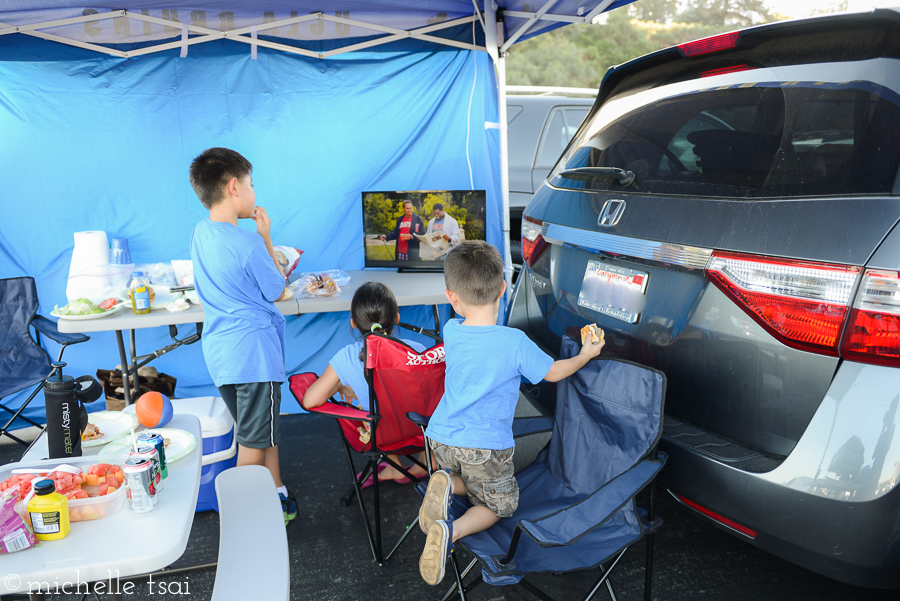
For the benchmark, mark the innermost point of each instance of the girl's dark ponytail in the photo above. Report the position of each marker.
(374, 309)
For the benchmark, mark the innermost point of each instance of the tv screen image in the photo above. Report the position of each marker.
(416, 229)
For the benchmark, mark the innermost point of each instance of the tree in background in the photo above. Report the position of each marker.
(656, 11)
(579, 57)
(726, 13)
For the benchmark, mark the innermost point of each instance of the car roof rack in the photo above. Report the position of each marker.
(550, 91)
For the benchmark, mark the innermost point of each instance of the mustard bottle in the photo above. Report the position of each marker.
(140, 294)
(48, 512)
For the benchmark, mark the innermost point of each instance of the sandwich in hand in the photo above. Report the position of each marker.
(591, 333)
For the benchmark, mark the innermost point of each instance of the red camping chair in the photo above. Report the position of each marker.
(400, 380)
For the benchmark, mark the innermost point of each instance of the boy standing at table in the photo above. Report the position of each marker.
(471, 429)
(238, 280)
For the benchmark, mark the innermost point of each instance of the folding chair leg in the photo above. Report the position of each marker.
(461, 577)
(4, 431)
(362, 506)
(605, 577)
(409, 530)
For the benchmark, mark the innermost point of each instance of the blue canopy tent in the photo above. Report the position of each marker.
(103, 106)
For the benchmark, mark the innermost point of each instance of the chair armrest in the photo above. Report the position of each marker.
(51, 331)
(525, 426)
(418, 419)
(567, 526)
(300, 383)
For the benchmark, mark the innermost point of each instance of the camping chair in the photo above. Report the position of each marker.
(23, 362)
(577, 506)
(400, 380)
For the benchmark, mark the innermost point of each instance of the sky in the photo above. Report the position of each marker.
(803, 8)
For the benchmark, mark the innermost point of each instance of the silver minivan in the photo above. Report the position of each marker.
(728, 214)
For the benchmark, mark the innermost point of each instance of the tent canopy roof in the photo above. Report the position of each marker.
(299, 26)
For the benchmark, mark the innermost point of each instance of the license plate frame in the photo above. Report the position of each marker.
(615, 291)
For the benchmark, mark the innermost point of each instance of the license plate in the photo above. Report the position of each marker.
(618, 292)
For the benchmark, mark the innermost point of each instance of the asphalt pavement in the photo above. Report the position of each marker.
(330, 559)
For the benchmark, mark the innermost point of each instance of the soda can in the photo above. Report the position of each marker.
(139, 486)
(159, 442)
(149, 452)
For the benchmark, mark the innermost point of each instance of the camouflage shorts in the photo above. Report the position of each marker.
(487, 474)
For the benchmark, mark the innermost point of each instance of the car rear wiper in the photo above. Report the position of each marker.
(624, 178)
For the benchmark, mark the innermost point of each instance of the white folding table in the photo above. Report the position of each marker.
(410, 288)
(117, 546)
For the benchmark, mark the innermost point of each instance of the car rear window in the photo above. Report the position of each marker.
(745, 138)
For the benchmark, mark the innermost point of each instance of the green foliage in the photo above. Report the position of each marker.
(579, 56)
(656, 11)
(381, 214)
(458, 213)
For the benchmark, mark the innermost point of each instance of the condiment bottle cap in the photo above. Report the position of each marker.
(44, 487)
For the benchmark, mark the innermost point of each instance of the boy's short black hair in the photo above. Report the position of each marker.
(437, 206)
(213, 169)
(474, 271)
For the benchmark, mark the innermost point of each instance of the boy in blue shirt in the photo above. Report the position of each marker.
(238, 280)
(471, 429)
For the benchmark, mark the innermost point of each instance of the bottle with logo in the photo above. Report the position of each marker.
(139, 293)
(48, 512)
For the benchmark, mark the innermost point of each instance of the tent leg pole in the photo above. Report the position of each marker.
(504, 169)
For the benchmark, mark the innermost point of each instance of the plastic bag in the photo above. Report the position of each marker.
(314, 285)
(287, 258)
(15, 533)
(341, 278)
(158, 274)
(99, 282)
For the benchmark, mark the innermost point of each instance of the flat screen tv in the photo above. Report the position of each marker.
(416, 229)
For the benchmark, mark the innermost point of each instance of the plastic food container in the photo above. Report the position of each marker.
(80, 510)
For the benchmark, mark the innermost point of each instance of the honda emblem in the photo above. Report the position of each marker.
(611, 213)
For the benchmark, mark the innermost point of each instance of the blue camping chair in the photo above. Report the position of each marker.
(23, 362)
(577, 501)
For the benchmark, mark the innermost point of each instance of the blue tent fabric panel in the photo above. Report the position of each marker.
(92, 142)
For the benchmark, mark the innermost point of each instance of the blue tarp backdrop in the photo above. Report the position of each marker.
(91, 142)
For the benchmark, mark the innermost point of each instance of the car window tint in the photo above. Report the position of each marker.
(753, 141)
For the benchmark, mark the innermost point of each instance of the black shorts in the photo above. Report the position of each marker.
(255, 408)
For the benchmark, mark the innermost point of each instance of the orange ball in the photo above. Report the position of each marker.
(153, 409)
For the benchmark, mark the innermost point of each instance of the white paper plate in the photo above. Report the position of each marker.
(115, 309)
(162, 297)
(181, 443)
(113, 424)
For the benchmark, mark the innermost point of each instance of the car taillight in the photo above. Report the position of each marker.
(533, 244)
(802, 304)
(873, 335)
(725, 70)
(715, 43)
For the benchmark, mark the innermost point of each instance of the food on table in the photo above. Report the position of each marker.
(105, 477)
(15, 533)
(287, 258)
(21, 483)
(107, 304)
(591, 332)
(91, 432)
(319, 285)
(167, 441)
(80, 306)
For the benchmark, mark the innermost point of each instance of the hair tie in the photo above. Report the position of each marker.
(376, 325)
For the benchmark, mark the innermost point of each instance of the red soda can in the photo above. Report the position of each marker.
(150, 453)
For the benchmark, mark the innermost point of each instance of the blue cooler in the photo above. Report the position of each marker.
(219, 442)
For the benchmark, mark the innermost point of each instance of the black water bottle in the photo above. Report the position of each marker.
(64, 398)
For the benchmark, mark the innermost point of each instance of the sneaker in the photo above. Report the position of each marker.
(436, 500)
(288, 506)
(438, 546)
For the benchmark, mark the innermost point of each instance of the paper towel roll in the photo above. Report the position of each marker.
(91, 250)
